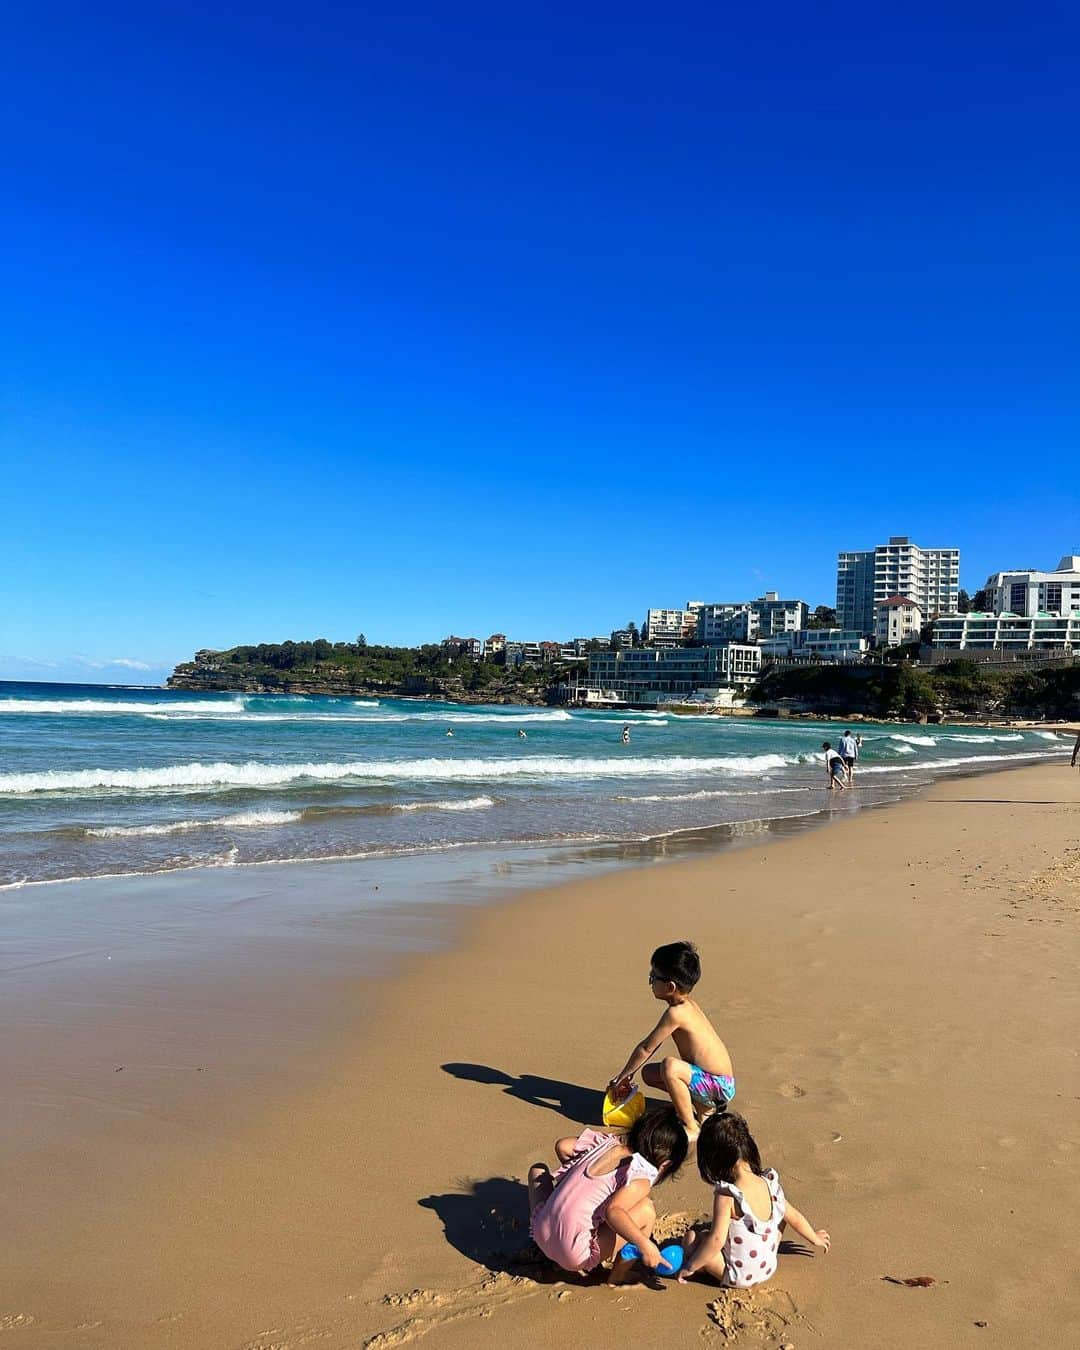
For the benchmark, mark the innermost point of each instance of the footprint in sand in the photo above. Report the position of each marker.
(791, 1090)
(12, 1321)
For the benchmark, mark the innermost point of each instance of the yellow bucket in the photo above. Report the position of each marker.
(620, 1115)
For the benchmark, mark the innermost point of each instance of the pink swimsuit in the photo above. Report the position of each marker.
(752, 1243)
(565, 1225)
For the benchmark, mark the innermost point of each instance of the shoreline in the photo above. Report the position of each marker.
(935, 771)
(330, 1119)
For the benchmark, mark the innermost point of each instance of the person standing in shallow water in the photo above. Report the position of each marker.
(835, 770)
(626, 734)
(849, 753)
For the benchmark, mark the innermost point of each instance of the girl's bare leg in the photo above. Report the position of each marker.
(691, 1242)
(541, 1184)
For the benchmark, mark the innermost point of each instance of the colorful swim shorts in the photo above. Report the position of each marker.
(711, 1089)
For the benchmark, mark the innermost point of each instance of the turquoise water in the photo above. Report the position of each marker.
(104, 780)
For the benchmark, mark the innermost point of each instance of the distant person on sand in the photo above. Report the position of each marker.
(599, 1197)
(849, 753)
(626, 734)
(835, 769)
(750, 1210)
(702, 1081)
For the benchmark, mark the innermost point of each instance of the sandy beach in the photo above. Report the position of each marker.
(899, 994)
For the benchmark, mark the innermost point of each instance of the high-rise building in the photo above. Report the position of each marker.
(930, 577)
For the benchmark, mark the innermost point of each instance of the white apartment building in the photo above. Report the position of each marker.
(1030, 593)
(898, 619)
(865, 578)
(749, 620)
(980, 632)
(668, 627)
(816, 644)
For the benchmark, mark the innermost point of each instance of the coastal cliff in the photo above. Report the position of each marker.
(354, 670)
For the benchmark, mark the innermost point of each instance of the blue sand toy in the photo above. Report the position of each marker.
(672, 1254)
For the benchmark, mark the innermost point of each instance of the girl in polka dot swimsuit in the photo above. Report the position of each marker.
(750, 1209)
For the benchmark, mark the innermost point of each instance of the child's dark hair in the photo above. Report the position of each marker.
(679, 963)
(659, 1138)
(725, 1140)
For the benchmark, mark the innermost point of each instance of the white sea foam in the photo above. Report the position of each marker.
(1049, 735)
(240, 820)
(460, 804)
(955, 763)
(221, 775)
(982, 738)
(365, 702)
(104, 707)
(627, 721)
(914, 740)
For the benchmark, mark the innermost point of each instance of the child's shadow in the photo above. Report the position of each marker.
(570, 1100)
(488, 1221)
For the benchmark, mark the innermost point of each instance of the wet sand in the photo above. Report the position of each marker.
(289, 1151)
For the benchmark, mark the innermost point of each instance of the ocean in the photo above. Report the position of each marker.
(101, 780)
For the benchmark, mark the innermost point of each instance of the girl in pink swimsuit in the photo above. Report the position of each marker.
(750, 1209)
(599, 1197)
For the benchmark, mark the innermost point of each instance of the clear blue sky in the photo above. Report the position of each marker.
(472, 317)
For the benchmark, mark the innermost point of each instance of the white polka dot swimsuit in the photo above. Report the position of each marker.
(752, 1243)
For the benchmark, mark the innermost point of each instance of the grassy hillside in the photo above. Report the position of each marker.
(347, 667)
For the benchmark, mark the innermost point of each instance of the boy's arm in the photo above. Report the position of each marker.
(706, 1251)
(644, 1050)
(817, 1237)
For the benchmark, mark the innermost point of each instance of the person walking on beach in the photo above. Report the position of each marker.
(1076, 752)
(835, 769)
(849, 753)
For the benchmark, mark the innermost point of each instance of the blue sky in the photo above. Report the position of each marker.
(471, 317)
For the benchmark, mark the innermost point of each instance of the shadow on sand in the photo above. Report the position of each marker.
(488, 1222)
(569, 1100)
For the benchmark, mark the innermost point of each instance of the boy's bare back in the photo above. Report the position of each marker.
(696, 1038)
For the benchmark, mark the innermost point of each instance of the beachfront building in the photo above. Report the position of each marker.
(644, 674)
(1030, 592)
(979, 632)
(828, 645)
(864, 579)
(495, 643)
(668, 627)
(898, 619)
(750, 620)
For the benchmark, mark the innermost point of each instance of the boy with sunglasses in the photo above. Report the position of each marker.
(700, 1080)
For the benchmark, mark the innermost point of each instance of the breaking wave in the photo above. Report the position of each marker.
(222, 776)
(238, 821)
(461, 804)
(104, 707)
